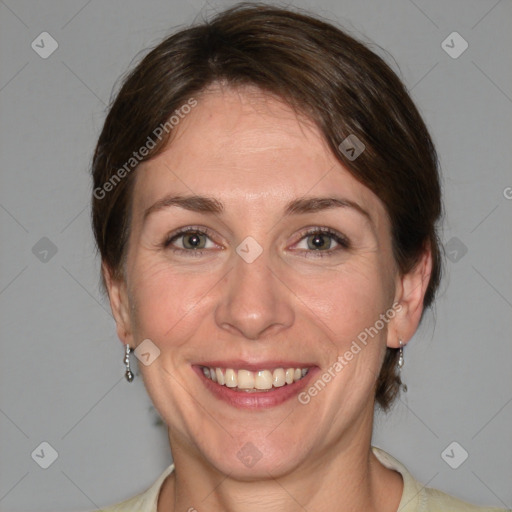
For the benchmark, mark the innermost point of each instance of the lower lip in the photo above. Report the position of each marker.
(256, 400)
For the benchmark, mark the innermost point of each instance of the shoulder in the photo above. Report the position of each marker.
(438, 501)
(419, 498)
(143, 502)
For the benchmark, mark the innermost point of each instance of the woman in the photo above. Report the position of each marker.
(265, 204)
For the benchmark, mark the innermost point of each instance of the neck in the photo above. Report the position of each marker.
(344, 477)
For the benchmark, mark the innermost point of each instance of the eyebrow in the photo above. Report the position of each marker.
(204, 204)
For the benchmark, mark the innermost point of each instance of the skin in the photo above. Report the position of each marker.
(254, 154)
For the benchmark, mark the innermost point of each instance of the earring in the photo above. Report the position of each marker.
(401, 362)
(401, 356)
(128, 374)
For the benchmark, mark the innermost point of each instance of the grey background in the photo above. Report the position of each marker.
(61, 370)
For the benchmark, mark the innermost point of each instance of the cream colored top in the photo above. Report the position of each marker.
(415, 497)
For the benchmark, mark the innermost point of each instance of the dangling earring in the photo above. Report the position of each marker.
(128, 374)
(401, 356)
(401, 362)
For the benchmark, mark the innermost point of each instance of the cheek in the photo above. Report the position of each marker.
(347, 300)
(166, 300)
(171, 303)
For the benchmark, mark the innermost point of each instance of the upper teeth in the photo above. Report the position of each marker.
(262, 379)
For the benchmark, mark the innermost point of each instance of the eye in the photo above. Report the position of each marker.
(189, 240)
(322, 240)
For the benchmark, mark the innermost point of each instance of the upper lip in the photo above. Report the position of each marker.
(240, 364)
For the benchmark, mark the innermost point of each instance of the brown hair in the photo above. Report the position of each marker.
(340, 84)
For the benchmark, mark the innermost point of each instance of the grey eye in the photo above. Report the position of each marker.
(319, 241)
(194, 240)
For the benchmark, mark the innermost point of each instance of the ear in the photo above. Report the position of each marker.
(119, 304)
(410, 292)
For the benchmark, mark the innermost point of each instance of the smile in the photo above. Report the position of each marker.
(255, 388)
(254, 381)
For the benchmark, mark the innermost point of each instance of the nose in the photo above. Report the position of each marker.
(254, 302)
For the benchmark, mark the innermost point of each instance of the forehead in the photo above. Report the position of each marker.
(246, 146)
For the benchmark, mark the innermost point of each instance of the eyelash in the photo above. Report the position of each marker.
(342, 241)
(189, 252)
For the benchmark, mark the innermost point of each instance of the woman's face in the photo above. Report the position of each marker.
(288, 264)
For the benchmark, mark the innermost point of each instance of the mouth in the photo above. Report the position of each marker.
(254, 381)
(252, 388)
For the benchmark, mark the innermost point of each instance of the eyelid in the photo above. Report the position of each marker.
(202, 230)
(339, 238)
